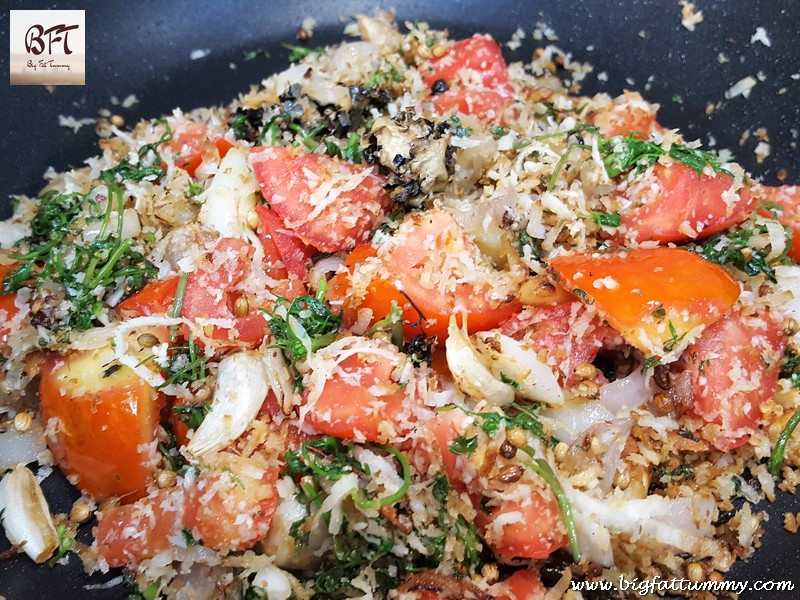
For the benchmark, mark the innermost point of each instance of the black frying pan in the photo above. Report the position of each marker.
(143, 48)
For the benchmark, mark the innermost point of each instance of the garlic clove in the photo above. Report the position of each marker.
(26, 515)
(242, 385)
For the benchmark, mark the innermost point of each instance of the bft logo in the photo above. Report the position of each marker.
(35, 43)
(48, 47)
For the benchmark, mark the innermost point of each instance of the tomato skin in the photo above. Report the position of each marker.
(155, 298)
(480, 53)
(196, 143)
(280, 246)
(215, 503)
(630, 114)
(486, 105)
(7, 305)
(788, 197)
(446, 427)
(417, 250)
(686, 200)
(288, 178)
(550, 328)
(347, 406)
(104, 423)
(735, 367)
(537, 532)
(130, 533)
(641, 291)
(208, 293)
(522, 585)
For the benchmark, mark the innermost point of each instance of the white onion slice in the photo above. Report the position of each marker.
(469, 372)
(230, 196)
(623, 395)
(505, 356)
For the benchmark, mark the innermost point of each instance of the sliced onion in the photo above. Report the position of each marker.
(468, 371)
(276, 582)
(230, 197)
(507, 357)
(623, 395)
(575, 417)
(329, 264)
(21, 447)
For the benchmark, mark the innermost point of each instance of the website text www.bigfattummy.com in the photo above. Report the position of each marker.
(657, 585)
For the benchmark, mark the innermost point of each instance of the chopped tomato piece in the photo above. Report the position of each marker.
(787, 199)
(531, 528)
(156, 298)
(486, 105)
(134, 532)
(195, 144)
(735, 366)
(417, 260)
(654, 297)
(446, 427)
(360, 400)
(284, 253)
(231, 510)
(553, 329)
(326, 202)
(522, 585)
(8, 307)
(686, 207)
(105, 419)
(228, 508)
(630, 113)
(479, 55)
(210, 294)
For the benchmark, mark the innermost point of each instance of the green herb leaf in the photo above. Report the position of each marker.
(300, 52)
(778, 452)
(463, 445)
(605, 219)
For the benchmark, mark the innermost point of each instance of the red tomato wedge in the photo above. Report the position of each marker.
(787, 199)
(7, 305)
(284, 254)
(476, 58)
(528, 529)
(360, 400)
(522, 585)
(735, 366)
(486, 105)
(446, 427)
(134, 532)
(209, 293)
(156, 298)
(104, 418)
(328, 203)
(195, 144)
(227, 509)
(629, 114)
(553, 329)
(687, 207)
(417, 260)
(654, 297)
(230, 510)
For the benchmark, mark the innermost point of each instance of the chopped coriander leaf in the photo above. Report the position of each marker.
(463, 445)
(659, 313)
(66, 539)
(188, 538)
(191, 415)
(524, 240)
(734, 248)
(605, 219)
(499, 131)
(195, 189)
(790, 368)
(300, 52)
(674, 339)
(305, 316)
(684, 471)
(677, 99)
(513, 383)
(187, 363)
(352, 152)
(778, 452)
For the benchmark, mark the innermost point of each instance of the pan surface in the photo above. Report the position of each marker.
(144, 48)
